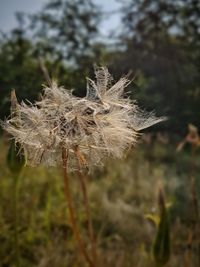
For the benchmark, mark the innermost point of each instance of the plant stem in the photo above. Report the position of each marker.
(16, 220)
(82, 180)
(75, 229)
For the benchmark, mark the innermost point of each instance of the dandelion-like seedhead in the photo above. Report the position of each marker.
(102, 124)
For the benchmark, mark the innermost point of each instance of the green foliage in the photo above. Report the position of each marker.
(19, 70)
(15, 158)
(155, 20)
(162, 42)
(64, 29)
(161, 247)
(119, 196)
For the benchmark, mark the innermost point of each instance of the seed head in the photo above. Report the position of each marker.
(102, 124)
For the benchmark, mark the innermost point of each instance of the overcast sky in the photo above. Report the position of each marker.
(8, 8)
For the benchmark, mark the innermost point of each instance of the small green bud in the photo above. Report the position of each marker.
(161, 247)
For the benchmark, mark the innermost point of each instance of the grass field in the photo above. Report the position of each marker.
(123, 199)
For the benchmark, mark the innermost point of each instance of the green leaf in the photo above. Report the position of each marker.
(161, 247)
(153, 218)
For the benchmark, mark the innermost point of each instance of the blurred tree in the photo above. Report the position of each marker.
(162, 44)
(65, 29)
(149, 19)
(21, 70)
(62, 35)
(18, 70)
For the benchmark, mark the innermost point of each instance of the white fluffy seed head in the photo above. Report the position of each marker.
(102, 124)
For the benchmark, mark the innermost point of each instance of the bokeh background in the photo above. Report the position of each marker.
(158, 43)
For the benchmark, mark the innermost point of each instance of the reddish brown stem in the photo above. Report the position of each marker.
(77, 236)
(82, 180)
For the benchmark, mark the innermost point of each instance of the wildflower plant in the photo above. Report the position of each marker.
(101, 124)
(78, 132)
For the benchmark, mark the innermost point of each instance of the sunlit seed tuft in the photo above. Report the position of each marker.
(102, 124)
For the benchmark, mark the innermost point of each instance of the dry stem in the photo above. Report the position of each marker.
(75, 229)
(82, 180)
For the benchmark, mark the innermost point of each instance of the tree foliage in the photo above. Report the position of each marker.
(162, 45)
(65, 29)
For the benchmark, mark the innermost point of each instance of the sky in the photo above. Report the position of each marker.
(8, 8)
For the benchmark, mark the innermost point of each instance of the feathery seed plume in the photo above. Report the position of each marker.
(102, 124)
